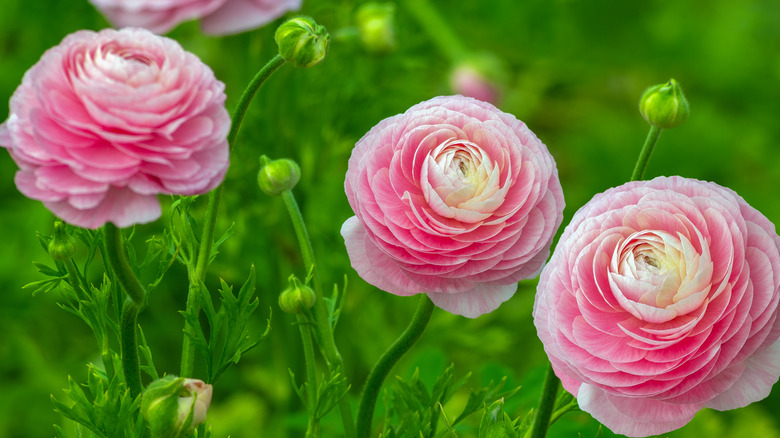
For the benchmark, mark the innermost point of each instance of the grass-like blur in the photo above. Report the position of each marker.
(575, 69)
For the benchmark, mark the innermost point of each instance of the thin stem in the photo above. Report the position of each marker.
(313, 428)
(546, 403)
(78, 281)
(438, 30)
(130, 362)
(644, 155)
(193, 306)
(385, 364)
(115, 249)
(561, 411)
(215, 197)
(321, 318)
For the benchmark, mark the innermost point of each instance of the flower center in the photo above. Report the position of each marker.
(461, 181)
(120, 64)
(657, 276)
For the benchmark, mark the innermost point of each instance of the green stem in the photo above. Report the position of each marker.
(386, 362)
(313, 428)
(204, 253)
(76, 280)
(215, 197)
(321, 318)
(438, 30)
(546, 404)
(644, 155)
(115, 249)
(130, 362)
(193, 306)
(561, 411)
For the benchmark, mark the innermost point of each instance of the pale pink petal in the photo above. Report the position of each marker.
(484, 298)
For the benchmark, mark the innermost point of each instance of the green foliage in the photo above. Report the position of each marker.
(228, 333)
(413, 409)
(105, 409)
(329, 392)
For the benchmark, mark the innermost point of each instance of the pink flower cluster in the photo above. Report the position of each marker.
(218, 17)
(106, 121)
(660, 299)
(454, 199)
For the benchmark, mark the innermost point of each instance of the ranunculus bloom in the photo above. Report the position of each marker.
(106, 121)
(661, 299)
(455, 199)
(218, 17)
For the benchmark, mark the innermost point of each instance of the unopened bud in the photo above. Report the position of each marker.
(278, 175)
(302, 41)
(296, 297)
(479, 77)
(376, 26)
(61, 246)
(174, 406)
(664, 105)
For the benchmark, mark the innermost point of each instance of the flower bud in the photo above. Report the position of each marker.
(61, 246)
(376, 26)
(174, 406)
(302, 41)
(278, 175)
(296, 297)
(478, 77)
(664, 105)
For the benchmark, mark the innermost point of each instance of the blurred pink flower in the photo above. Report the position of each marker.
(468, 81)
(218, 17)
(106, 121)
(661, 299)
(454, 199)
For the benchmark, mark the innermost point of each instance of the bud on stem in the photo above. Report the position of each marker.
(61, 246)
(276, 176)
(174, 406)
(664, 105)
(296, 297)
(302, 41)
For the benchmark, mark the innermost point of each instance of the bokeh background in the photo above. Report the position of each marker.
(573, 71)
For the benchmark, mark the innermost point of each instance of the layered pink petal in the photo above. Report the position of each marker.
(661, 298)
(455, 199)
(123, 114)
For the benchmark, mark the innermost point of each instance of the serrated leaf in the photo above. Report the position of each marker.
(496, 423)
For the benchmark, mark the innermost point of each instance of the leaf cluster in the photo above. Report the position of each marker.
(228, 335)
(414, 411)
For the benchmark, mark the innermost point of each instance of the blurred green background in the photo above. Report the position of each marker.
(574, 73)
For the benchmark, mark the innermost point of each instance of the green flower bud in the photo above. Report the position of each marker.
(278, 175)
(302, 41)
(61, 246)
(174, 406)
(664, 105)
(376, 26)
(296, 297)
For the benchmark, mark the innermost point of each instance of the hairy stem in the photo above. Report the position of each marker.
(546, 404)
(385, 363)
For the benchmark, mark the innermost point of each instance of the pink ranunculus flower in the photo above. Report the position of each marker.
(106, 121)
(218, 17)
(455, 199)
(661, 299)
